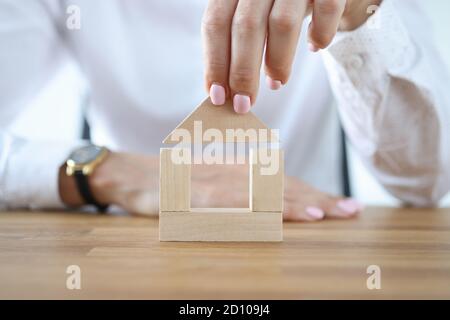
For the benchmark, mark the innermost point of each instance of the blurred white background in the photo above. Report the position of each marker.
(62, 100)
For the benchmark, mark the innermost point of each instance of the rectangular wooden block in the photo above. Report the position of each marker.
(174, 183)
(266, 191)
(221, 225)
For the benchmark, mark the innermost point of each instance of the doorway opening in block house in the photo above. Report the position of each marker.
(220, 176)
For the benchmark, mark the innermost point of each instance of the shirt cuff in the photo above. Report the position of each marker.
(30, 173)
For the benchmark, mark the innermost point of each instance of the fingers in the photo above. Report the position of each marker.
(325, 22)
(248, 35)
(331, 208)
(216, 34)
(303, 214)
(305, 203)
(284, 29)
(341, 208)
(235, 33)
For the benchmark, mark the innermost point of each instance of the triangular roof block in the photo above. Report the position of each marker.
(222, 118)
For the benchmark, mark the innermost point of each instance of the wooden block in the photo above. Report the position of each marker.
(175, 183)
(221, 225)
(223, 119)
(266, 191)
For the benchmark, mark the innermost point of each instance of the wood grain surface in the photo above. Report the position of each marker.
(121, 258)
(219, 224)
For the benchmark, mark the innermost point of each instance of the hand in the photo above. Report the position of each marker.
(129, 181)
(210, 188)
(235, 33)
(132, 182)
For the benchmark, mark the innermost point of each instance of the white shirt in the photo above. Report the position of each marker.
(143, 62)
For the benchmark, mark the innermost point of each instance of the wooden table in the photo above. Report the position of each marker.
(121, 257)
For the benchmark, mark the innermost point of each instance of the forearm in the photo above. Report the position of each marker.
(389, 86)
(67, 188)
(29, 171)
(32, 52)
(129, 181)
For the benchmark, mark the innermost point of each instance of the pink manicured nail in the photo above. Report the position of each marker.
(350, 206)
(241, 103)
(273, 84)
(217, 94)
(312, 47)
(315, 213)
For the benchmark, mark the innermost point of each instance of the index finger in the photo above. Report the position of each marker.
(249, 31)
(216, 34)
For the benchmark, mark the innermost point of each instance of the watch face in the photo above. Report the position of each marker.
(85, 154)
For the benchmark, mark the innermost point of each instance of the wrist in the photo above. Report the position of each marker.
(122, 177)
(69, 189)
(356, 14)
(104, 180)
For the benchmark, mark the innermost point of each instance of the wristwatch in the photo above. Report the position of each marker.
(81, 164)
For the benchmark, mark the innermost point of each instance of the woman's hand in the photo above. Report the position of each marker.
(211, 188)
(235, 33)
(132, 182)
(129, 181)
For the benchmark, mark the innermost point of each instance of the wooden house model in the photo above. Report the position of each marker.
(261, 221)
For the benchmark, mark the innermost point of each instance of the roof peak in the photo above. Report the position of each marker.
(220, 119)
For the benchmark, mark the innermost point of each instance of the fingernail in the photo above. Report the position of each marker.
(312, 47)
(350, 206)
(273, 84)
(217, 94)
(241, 103)
(315, 213)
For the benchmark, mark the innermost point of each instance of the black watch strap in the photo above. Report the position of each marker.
(85, 191)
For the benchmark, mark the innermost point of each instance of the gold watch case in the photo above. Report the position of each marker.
(87, 167)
